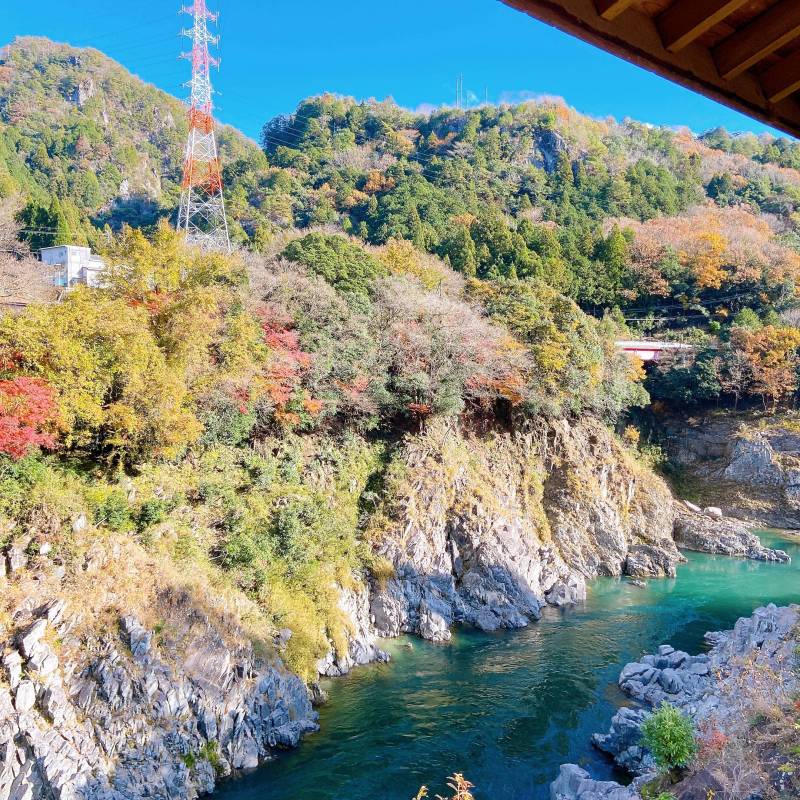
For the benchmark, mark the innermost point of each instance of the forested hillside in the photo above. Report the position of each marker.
(685, 236)
(86, 143)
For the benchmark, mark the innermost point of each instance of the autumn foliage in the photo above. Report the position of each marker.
(287, 364)
(771, 357)
(708, 248)
(28, 414)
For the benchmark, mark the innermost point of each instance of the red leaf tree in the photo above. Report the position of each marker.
(28, 412)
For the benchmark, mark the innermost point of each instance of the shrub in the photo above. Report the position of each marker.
(669, 735)
(151, 513)
(457, 783)
(17, 480)
(27, 408)
(113, 511)
(226, 418)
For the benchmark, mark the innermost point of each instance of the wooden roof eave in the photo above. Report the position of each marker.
(634, 36)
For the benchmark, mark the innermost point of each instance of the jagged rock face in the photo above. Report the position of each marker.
(606, 517)
(548, 148)
(575, 783)
(494, 527)
(751, 465)
(362, 645)
(117, 717)
(722, 536)
(83, 92)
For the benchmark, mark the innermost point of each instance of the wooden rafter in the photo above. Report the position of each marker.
(611, 9)
(782, 78)
(764, 35)
(686, 20)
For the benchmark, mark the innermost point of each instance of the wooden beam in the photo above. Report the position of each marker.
(782, 78)
(764, 35)
(685, 20)
(611, 9)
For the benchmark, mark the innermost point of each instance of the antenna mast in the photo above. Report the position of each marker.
(202, 211)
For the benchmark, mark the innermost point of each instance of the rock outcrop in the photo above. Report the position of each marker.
(748, 464)
(709, 685)
(128, 714)
(494, 527)
(623, 741)
(709, 533)
(574, 783)
(362, 647)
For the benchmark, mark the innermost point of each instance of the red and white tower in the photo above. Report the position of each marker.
(202, 211)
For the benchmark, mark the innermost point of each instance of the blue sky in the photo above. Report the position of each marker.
(276, 53)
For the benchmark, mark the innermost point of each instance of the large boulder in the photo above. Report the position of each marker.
(623, 741)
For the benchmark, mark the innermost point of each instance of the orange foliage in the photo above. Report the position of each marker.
(771, 354)
(282, 377)
(717, 246)
(377, 182)
(711, 742)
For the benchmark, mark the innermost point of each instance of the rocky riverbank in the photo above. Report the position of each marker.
(131, 713)
(124, 679)
(748, 671)
(718, 535)
(121, 680)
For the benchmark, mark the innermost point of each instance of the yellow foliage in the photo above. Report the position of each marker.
(708, 260)
(631, 436)
(402, 258)
(636, 370)
(400, 142)
(113, 381)
(466, 219)
(139, 267)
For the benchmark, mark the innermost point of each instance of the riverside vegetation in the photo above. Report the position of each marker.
(394, 409)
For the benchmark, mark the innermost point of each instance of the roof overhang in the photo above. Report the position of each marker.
(743, 53)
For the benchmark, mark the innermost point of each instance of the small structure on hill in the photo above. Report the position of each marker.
(74, 265)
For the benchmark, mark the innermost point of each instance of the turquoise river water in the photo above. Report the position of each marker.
(507, 709)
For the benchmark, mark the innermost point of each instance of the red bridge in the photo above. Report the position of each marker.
(650, 350)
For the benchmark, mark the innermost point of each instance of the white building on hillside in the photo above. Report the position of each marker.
(73, 265)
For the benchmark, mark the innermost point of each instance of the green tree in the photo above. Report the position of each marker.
(460, 249)
(346, 266)
(670, 737)
(58, 222)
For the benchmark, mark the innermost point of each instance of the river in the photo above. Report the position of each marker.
(507, 709)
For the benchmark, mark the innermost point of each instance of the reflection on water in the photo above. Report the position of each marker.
(508, 708)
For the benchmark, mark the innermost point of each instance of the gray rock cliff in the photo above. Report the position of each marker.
(128, 714)
(492, 528)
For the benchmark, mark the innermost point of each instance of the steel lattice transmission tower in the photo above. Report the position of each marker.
(202, 211)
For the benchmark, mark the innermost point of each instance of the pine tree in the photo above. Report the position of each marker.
(59, 224)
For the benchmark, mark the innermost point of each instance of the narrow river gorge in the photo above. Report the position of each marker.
(507, 709)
